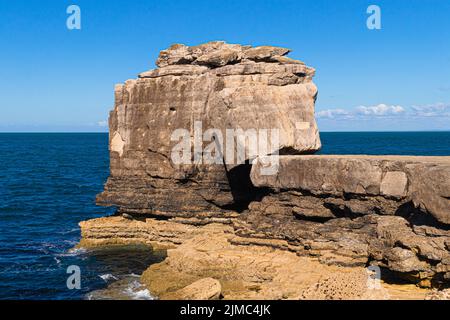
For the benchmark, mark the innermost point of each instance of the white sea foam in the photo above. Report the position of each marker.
(136, 292)
(127, 288)
(134, 275)
(108, 276)
(142, 295)
(73, 252)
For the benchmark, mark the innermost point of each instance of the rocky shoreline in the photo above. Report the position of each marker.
(243, 269)
(309, 230)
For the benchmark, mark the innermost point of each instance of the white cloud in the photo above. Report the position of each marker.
(384, 111)
(432, 110)
(102, 123)
(333, 113)
(381, 110)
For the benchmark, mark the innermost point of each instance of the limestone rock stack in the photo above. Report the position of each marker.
(220, 86)
(255, 235)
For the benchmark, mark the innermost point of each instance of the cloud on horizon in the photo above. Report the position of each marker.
(382, 110)
(433, 110)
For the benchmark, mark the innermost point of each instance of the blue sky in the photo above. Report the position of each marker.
(396, 78)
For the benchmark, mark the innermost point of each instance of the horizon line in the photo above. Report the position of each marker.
(324, 131)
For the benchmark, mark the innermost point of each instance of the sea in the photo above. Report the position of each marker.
(48, 184)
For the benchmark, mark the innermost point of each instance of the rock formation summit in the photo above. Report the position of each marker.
(308, 230)
(219, 86)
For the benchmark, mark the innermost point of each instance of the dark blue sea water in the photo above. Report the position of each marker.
(384, 143)
(48, 184)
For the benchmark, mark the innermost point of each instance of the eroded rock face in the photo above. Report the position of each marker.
(218, 85)
(246, 271)
(114, 231)
(375, 184)
(328, 216)
(204, 289)
(356, 210)
(237, 267)
(256, 271)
